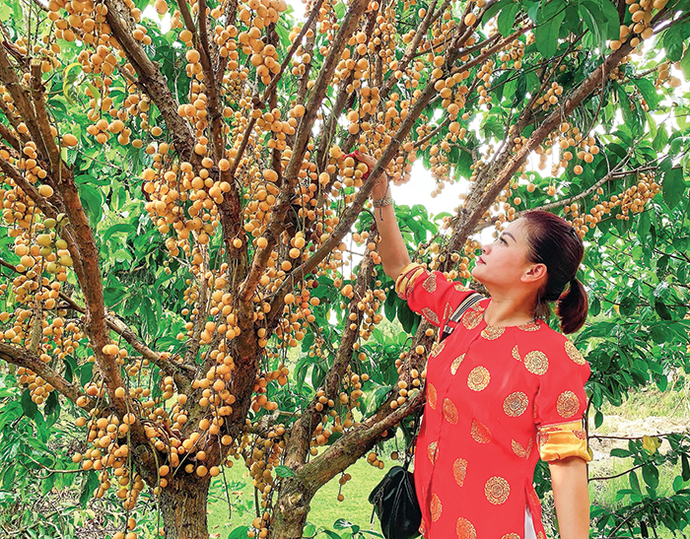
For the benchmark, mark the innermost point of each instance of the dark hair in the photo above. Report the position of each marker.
(555, 243)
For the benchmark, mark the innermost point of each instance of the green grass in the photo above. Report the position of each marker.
(325, 508)
(673, 403)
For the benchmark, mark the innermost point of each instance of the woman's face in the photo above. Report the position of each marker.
(505, 261)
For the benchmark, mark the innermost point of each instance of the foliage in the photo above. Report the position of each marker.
(177, 200)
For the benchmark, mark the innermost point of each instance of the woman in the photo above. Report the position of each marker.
(503, 389)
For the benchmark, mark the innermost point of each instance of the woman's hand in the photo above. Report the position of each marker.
(381, 188)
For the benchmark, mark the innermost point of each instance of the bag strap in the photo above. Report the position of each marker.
(470, 300)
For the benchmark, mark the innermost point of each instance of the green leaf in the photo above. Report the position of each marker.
(601, 17)
(342, 524)
(86, 373)
(627, 305)
(673, 187)
(284, 471)
(612, 19)
(598, 419)
(650, 474)
(648, 91)
(662, 310)
(494, 8)
(644, 226)
(93, 203)
(595, 307)
(239, 533)
(674, 38)
(28, 406)
(685, 65)
(90, 484)
(52, 404)
(69, 76)
(685, 467)
(661, 139)
(549, 21)
(620, 453)
(634, 482)
(507, 18)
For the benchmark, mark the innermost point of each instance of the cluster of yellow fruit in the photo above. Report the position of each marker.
(109, 455)
(663, 75)
(640, 27)
(634, 198)
(514, 53)
(550, 98)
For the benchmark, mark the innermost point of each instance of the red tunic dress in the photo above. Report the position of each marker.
(496, 399)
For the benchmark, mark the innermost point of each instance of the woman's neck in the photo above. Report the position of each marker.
(509, 311)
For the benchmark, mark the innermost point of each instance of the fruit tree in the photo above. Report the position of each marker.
(177, 197)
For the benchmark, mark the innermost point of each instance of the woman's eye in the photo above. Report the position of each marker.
(502, 241)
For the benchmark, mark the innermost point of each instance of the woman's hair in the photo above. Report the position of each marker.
(555, 243)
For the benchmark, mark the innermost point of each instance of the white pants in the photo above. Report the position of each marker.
(529, 525)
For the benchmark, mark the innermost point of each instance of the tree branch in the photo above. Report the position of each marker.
(23, 357)
(303, 428)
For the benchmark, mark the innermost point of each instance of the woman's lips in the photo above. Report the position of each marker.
(481, 260)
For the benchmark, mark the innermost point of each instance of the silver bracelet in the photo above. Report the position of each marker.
(385, 201)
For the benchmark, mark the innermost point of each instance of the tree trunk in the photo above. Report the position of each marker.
(183, 505)
(291, 512)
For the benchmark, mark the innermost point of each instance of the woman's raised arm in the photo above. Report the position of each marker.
(392, 249)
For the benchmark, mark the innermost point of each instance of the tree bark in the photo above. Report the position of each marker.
(183, 504)
(292, 510)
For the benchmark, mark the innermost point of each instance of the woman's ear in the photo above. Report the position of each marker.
(536, 272)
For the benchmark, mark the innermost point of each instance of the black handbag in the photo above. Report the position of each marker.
(396, 505)
(394, 498)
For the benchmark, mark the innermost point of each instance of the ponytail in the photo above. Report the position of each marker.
(572, 307)
(555, 243)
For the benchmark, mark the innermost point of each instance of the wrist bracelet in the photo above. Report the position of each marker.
(385, 201)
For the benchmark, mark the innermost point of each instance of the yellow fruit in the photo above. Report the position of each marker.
(45, 191)
(193, 56)
(69, 140)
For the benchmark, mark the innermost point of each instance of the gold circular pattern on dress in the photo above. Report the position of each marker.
(540, 535)
(497, 490)
(430, 283)
(478, 378)
(465, 529)
(435, 508)
(491, 333)
(511, 536)
(516, 353)
(431, 315)
(580, 434)
(431, 396)
(456, 363)
(472, 318)
(567, 404)
(460, 288)
(574, 353)
(536, 362)
(432, 451)
(450, 412)
(459, 471)
(515, 404)
(480, 433)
